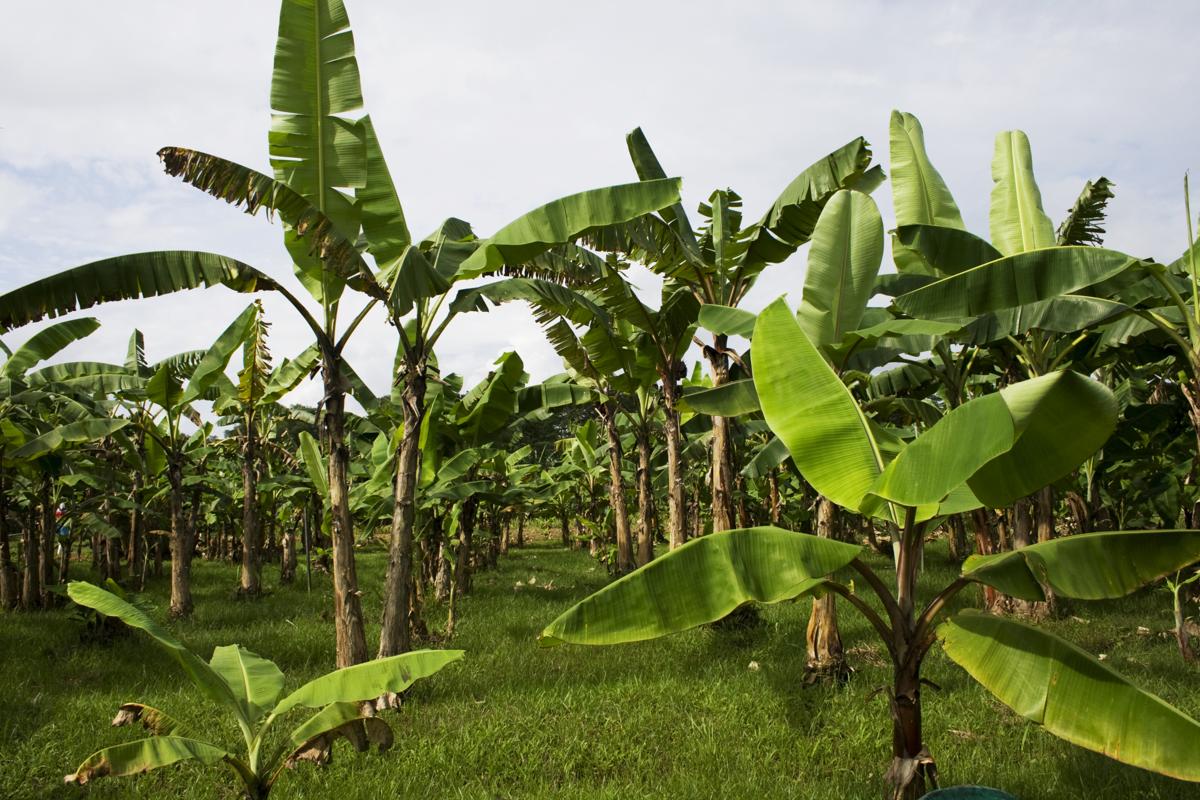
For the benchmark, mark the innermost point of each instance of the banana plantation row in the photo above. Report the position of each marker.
(1028, 392)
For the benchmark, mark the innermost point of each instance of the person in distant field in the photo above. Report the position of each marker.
(64, 529)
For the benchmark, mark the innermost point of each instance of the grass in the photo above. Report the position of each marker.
(682, 717)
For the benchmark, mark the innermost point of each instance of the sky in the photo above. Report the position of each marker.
(486, 110)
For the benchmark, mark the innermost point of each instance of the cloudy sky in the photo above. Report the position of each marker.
(487, 109)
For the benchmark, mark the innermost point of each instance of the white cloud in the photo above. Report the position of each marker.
(489, 109)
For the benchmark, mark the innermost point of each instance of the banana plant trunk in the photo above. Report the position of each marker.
(31, 584)
(676, 500)
(137, 524)
(912, 765)
(8, 573)
(722, 445)
(347, 607)
(645, 535)
(466, 532)
(826, 656)
(251, 578)
(181, 543)
(396, 636)
(616, 487)
(49, 534)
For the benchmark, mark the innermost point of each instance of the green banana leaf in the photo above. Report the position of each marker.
(1015, 281)
(843, 260)
(1057, 420)
(84, 430)
(369, 680)
(47, 343)
(216, 358)
(1052, 682)
(1060, 420)
(143, 755)
(790, 220)
(731, 399)
(769, 456)
(314, 463)
(324, 246)
(125, 277)
(315, 150)
(940, 251)
(1018, 223)
(1067, 313)
(726, 320)
(566, 219)
(919, 195)
(1088, 566)
(383, 224)
(290, 373)
(701, 582)
(812, 411)
(648, 168)
(1082, 225)
(202, 675)
(254, 681)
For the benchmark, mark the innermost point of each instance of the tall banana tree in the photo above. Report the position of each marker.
(990, 450)
(721, 262)
(258, 389)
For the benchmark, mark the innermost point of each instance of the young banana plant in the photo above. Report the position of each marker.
(249, 687)
(987, 452)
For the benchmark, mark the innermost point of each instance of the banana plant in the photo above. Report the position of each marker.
(14, 404)
(248, 687)
(259, 388)
(988, 451)
(722, 261)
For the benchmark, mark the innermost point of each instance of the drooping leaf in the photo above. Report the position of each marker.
(731, 399)
(768, 457)
(790, 221)
(1018, 222)
(313, 740)
(567, 219)
(133, 758)
(46, 343)
(201, 674)
(700, 582)
(125, 278)
(1090, 566)
(1084, 221)
(77, 432)
(1049, 681)
(810, 409)
(369, 680)
(727, 320)
(320, 244)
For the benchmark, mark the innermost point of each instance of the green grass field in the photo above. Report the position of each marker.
(682, 717)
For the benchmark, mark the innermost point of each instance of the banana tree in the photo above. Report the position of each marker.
(14, 399)
(990, 450)
(721, 263)
(173, 391)
(248, 687)
(259, 388)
